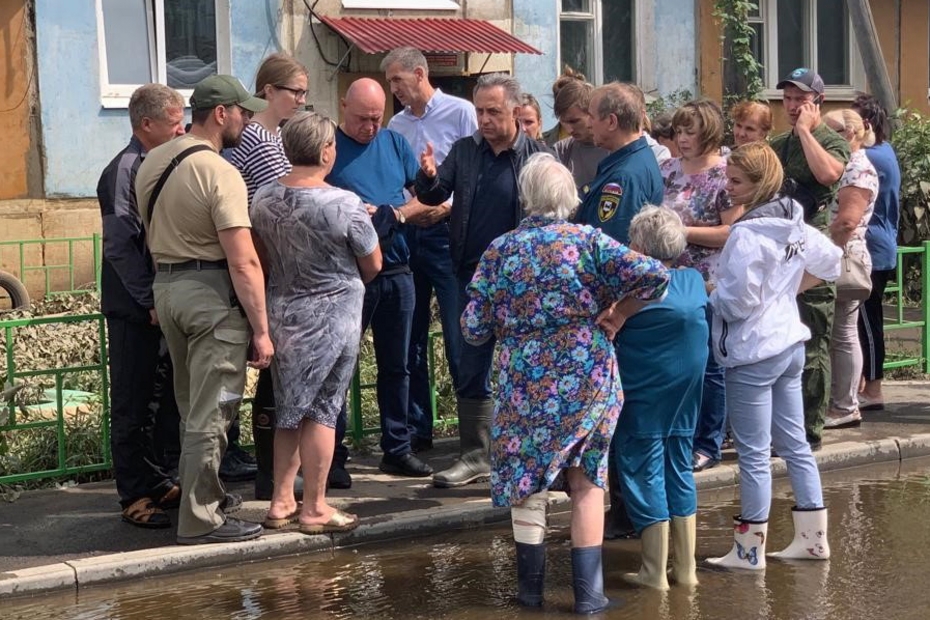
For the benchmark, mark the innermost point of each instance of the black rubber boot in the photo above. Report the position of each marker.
(473, 464)
(588, 580)
(531, 574)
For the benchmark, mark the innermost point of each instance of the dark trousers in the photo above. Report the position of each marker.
(712, 418)
(872, 328)
(388, 309)
(141, 407)
(475, 363)
(816, 307)
(432, 271)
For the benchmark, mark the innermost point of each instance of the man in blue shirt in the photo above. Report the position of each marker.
(628, 177)
(377, 164)
(430, 117)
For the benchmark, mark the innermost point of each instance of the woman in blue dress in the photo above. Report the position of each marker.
(662, 354)
(540, 290)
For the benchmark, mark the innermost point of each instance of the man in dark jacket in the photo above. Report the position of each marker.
(137, 353)
(482, 172)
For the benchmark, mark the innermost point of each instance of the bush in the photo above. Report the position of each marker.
(911, 142)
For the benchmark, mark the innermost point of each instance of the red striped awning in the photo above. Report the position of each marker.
(373, 35)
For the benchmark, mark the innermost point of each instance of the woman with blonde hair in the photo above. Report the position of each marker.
(849, 220)
(770, 256)
(260, 158)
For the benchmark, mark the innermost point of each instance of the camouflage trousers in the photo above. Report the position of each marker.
(816, 307)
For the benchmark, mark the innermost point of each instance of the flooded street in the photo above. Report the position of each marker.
(879, 534)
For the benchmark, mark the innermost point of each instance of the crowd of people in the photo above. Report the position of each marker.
(646, 286)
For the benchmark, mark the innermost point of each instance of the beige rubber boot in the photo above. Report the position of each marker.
(655, 558)
(684, 543)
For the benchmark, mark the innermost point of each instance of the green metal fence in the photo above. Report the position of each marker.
(24, 268)
(60, 413)
(10, 414)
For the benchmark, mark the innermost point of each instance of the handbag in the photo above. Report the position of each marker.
(855, 281)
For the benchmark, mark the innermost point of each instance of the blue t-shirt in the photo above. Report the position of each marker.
(882, 235)
(626, 180)
(378, 172)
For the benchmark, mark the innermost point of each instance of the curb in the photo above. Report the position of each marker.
(473, 514)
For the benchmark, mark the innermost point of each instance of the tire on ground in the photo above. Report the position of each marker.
(19, 296)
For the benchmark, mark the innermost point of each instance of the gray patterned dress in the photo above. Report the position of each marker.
(312, 236)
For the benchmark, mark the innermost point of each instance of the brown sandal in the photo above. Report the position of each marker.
(145, 513)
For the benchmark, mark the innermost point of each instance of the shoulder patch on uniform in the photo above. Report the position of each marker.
(612, 188)
(607, 206)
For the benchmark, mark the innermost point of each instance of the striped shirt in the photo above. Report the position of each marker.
(259, 157)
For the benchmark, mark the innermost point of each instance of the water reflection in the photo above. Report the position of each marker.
(878, 530)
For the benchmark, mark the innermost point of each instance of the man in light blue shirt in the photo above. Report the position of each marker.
(429, 117)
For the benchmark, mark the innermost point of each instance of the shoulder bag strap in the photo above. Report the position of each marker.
(174, 163)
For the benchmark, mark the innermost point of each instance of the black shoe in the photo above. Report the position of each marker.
(243, 455)
(338, 478)
(231, 503)
(700, 462)
(406, 465)
(234, 530)
(234, 469)
(420, 444)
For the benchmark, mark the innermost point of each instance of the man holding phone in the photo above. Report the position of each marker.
(814, 157)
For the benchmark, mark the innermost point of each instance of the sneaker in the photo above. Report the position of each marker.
(700, 462)
(234, 469)
(406, 465)
(234, 530)
(842, 419)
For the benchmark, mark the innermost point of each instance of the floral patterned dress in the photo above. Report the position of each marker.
(539, 289)
(698, 199)
(859, 173)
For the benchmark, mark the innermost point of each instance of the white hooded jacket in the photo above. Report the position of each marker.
(758, 274)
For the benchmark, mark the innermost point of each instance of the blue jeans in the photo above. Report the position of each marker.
(432, 271)
(475, 363)
(766, 408)
(712, 418)
(388, 309)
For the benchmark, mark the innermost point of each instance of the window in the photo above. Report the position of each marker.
(417, 5)
(596, 37)
(807, 33)
(173, 42)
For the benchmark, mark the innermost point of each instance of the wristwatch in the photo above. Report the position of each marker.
(400, 216)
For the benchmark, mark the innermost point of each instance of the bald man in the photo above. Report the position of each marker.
(378, 164)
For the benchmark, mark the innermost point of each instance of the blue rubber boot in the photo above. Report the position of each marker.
(588, 580)
(531, 574)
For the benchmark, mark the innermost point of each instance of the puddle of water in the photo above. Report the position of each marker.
(879, 536)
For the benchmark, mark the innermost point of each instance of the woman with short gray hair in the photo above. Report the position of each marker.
(318, 247)
(540, 290)
(661, 353)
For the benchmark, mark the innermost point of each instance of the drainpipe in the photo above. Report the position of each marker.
(867, 39)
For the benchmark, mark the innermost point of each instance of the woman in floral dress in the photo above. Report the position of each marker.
(540, 290)
(695, 188)
(849, 221)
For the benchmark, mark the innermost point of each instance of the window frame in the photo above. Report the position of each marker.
(595, 16)
(116, 96)
(768, 17)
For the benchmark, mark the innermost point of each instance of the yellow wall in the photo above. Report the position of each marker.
(904, 37)
(19, 167)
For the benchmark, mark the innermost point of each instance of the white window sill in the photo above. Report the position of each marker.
(412, 5)
(121, 102)
(831, 93)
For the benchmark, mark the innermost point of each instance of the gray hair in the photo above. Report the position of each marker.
(658, 232)
(305, 135)
(409, 58)
(152, 101)
(547, 188)
(513, 92)
(625, 101)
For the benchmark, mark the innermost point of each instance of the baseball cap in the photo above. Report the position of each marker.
(224, 90)
(805, 79)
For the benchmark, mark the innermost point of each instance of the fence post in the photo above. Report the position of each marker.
(925, 306)
(355, 390)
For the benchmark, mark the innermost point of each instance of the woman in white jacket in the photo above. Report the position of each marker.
(770, 256)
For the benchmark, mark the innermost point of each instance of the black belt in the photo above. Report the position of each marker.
(192, 265)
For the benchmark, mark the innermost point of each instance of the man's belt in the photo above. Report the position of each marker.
(192, 265)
